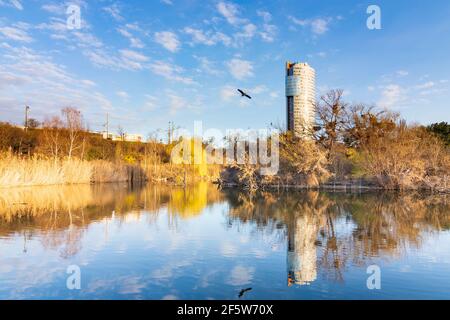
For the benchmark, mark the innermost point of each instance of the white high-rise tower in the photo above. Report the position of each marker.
(300, 98)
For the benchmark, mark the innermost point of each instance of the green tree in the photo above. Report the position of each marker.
(442, 130)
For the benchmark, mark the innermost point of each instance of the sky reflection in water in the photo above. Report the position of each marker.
(159, 242)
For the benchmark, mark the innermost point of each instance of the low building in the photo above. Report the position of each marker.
(126, 137)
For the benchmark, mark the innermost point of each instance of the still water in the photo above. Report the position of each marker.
(160, 242)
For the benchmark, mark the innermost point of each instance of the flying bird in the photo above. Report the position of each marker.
(243, 94)
(241, 293)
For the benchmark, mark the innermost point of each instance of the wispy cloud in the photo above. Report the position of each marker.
(133, 55)
(11, 3)
(208, 38)
(168, 40)
(114, 11)
(33, 78)
(170, 72)
(134, 41)
(402, 73)
(16, 34)
(230, 12)
(267, 16)
(207, 66)
(392, 95)
(123, 95)
(127, 59)
(240, 69)
(318, 26)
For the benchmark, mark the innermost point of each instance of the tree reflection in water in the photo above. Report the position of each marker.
(324, 231)
(380, 224)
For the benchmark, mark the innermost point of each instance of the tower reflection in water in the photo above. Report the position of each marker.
(302, 252)
(326, 232)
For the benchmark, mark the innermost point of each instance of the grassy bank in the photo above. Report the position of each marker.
(39, 171)
(18, 171)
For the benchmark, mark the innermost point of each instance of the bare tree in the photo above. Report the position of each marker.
(121, 133)
(74, 125)
(331, 119)
(52, 136)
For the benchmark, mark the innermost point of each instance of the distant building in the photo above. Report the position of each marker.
(126, 137)
(133, 137)
(300, 98)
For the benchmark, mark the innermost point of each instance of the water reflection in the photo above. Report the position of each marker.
(345, 227)
(212, 239)
(61, 214)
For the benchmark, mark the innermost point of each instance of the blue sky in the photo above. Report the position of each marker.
(149, 62)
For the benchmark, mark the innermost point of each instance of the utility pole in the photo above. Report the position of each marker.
(170, 133)
(27, 108)
(107, 126)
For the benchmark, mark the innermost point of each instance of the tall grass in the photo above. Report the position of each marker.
(39, 171)
(35, 171)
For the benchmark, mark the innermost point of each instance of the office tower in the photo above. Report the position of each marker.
(300, 98)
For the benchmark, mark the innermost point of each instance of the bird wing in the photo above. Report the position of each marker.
(241, 92)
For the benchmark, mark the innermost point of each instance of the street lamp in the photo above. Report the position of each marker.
(27, 108)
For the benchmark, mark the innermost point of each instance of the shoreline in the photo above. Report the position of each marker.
(334, 188)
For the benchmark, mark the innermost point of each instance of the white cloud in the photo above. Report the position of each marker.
(176, 103)
(241, 275)
(150, 103)
(248, 32)
(168, 40)
(168, 2)
(228, 92)
(199, 36)
(402, 73)
(240, 69)
(85, 40)
(318, 26)
(230, 12)
(267, 17)
(268, 32)
(274, 94)
(114, 11)
(28, 77)
(11, 3)
(61, 7)
(170, 71)
(56, 25)
(257, 89)
(208, 38)
(426, 85)
(123, 95)
(128, 59)
(134, 41)
(207, 66)
(16, 34)
(54, 8)
(391, 96)
(133, 55)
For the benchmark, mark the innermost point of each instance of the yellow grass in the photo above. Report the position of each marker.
(39, 171)
(15, 171)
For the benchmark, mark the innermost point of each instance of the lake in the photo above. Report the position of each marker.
(160, 242)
